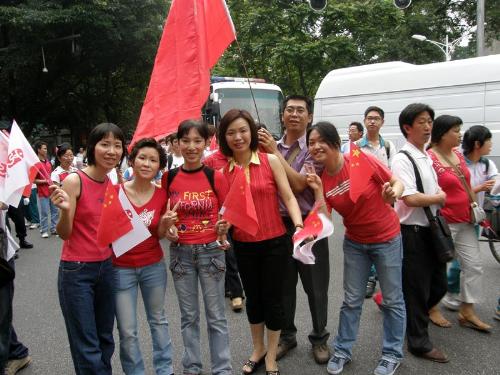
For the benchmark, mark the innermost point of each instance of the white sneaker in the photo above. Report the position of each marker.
(45, 235)
(451, 301)
(34, 226)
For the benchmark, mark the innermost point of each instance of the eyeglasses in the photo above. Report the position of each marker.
(373, 118)
(300, 110)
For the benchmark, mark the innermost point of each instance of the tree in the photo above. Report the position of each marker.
(289, 44)
(101, 75)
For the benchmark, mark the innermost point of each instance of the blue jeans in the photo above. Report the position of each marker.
(152, 280)
(358, 259)
(87, 304)
(46, 206)
(204, 263)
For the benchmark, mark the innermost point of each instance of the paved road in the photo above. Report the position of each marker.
(40, 326)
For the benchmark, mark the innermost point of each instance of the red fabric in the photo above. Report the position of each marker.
(44, 174)
(32, 175)
(238, 208)
(361, 172)
(265, 198)
(370, 219)
(149, 251)
(82, 245)
(457, 205)
(195, 35)
(199, 208)
(312, 226)
(217, 160)
(114, 222)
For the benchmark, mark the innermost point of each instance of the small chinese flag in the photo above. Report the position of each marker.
(238, 208)
(360, 172)
(114, 223)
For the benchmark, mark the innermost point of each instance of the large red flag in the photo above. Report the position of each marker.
(360, 172)
(238, 207)
(196, 34)
(115, 222)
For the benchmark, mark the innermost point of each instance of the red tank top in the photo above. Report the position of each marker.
(149, 251)
(81, 246)
(265, 198)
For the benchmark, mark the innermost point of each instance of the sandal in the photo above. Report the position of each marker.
(275, 372)
(253, 365)
(438, 319)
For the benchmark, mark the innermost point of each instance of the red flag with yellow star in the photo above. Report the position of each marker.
(238, 208)
(114, 222)
(360, 172)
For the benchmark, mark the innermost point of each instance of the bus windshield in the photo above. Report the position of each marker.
(268, 104)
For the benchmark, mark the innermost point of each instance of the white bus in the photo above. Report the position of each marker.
(467, 88)
(234, 92)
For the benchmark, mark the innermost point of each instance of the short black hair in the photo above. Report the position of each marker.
(476, 133)
(358, 125)
(374, 108)
(410, 113)
(60, 151)
(442, 124)
(38, 145)
(151, 143)
(100, 132)
(186, 125)
(229, 117)
(327, 131)
(306, 99)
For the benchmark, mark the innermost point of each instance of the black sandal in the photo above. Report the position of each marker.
(253, 366)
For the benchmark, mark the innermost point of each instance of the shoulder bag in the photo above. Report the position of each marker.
(440, 231)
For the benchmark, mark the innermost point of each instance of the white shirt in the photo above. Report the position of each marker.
(402, 168)
(379, 152)
(478, 175)
(177, 161)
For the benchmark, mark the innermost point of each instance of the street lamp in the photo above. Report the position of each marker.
(447, 47)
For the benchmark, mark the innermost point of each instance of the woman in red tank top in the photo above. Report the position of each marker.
(85, 279)
(143, 266)
(261, 256)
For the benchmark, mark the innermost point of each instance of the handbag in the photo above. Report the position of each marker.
(477, 212)
(442, 241)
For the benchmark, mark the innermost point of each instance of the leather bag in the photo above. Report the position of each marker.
(442, 241)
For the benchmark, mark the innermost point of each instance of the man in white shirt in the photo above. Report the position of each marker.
(424, 277)
(355, 133)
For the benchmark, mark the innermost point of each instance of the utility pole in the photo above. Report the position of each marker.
(480, 27)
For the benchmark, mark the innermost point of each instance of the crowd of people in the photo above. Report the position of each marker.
(178, 185)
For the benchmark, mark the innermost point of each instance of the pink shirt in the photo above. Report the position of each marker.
(81, 246)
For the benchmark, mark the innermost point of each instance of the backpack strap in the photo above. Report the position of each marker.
(170, 160)
(387, 151)
(209, 173)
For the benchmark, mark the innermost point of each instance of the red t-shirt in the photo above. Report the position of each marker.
(43, 189)
(199, 204)
(457, 205)
(370, 219)
(149, 251)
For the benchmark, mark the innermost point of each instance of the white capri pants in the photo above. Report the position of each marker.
(468, 256)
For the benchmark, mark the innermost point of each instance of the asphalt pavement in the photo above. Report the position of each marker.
(39, 324)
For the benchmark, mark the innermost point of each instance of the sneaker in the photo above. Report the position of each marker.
(321, 353)
(370, 288)
(336, 364)
(34, 226)
(451, 301)
(53, 232)
(497, 313)
(14, 365)
(45, 235)
(386, 367)
(284, 347)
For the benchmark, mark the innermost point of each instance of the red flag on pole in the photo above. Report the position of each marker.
(195, 35)
(238, 207)
(114, 222)
(360, 172)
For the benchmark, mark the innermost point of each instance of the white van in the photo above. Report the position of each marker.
(467, 88)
